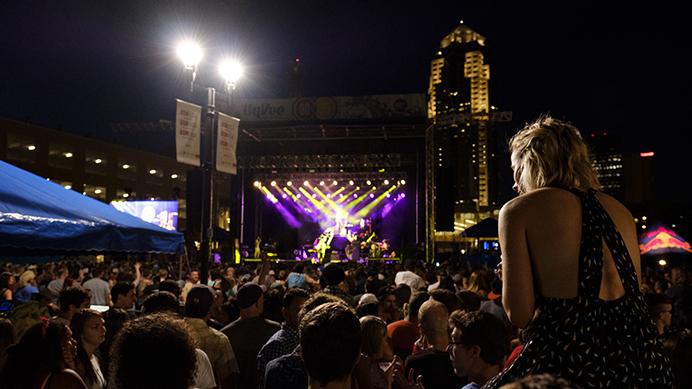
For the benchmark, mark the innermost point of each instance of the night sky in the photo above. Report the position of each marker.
(80, 65)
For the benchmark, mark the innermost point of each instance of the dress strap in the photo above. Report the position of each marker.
(44, 384)
(618, 249)
(597, 226)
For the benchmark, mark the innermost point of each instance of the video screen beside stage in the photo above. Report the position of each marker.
(162, 213)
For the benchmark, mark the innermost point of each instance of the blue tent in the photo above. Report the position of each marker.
(39, 216)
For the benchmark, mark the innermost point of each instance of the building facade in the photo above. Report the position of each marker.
(607, 160)
(97, 169)
(464, 156)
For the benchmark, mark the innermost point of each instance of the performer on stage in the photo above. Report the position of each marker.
(258, 247)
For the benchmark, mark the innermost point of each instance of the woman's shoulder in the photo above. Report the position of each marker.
(537, 198)
(612, 205)
(67, 378)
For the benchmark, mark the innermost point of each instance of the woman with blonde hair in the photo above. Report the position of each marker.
(478, 285)
(571, 271)
(27, 287)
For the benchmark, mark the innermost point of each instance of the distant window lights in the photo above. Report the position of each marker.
(61, 156)
(154, 175)
(125, 194)
(21, 148)
(95, 163)
(65, 184)
(95, 191)
(127, 169)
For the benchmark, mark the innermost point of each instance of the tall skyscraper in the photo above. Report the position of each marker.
(459, 106)
(606, 156)
(625, 175)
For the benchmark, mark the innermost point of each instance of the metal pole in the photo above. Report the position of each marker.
(230, 89)
(208, 197)
(417, 194)
(242, 203)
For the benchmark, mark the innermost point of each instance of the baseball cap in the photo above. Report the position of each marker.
(368, 298)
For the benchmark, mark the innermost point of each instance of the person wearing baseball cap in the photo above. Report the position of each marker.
(250, 332)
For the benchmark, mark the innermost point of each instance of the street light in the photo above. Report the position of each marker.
(190, 53)
(231, 70)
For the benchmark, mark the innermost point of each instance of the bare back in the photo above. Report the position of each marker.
(553, 221)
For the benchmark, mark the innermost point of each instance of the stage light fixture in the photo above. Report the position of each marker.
(306, 183)
(289, 183)
(403, 182)
(273, 183)
(335, 183)
(368, 182)
(386, 182)
(257, 184)
(374, 188)
(372, 196)
(322, 183)
(351, 182)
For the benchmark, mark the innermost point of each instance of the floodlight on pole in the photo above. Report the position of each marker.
(190, 53)
(231, 71)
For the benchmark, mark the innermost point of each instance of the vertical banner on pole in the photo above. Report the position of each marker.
(188, 118)
(226, 142)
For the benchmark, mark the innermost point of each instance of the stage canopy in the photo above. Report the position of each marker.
(662, 240)
(39, 216)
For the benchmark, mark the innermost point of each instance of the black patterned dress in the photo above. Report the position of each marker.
(592, 342)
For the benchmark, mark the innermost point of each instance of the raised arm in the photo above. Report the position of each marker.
(517, 278)
(138, 274)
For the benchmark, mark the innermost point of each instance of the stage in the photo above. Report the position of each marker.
(332, 216)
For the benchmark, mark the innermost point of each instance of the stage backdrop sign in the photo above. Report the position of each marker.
(373, 107)
(226, 142)
(187, 132)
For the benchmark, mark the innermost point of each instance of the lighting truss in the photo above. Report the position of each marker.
(333, 132)
(342, 178)
(321, 161)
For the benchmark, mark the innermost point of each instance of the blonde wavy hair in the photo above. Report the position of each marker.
(549, 152)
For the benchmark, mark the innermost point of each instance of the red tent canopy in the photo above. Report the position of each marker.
(662, 240)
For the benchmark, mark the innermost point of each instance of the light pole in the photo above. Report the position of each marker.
(230, 70)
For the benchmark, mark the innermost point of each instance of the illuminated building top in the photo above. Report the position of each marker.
(462, 34)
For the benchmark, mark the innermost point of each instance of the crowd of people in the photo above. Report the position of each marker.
(280, 325)
(571, 305)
